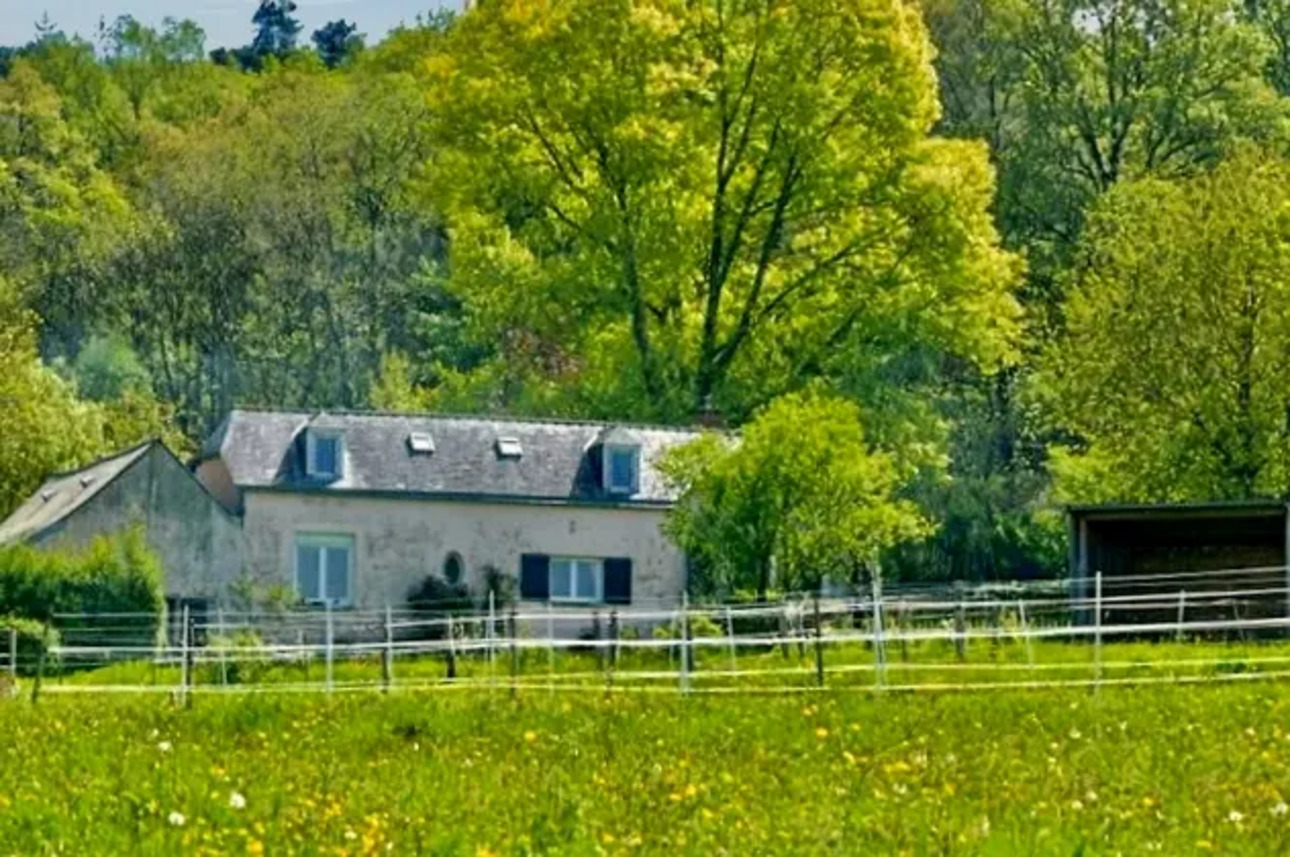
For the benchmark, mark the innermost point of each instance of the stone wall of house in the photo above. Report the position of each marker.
(397, 543)
(198, 542)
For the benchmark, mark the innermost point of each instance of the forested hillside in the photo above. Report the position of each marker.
(1037, 248)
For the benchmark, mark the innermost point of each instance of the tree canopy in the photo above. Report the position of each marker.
(657, 206)
(1172, 378)
(799, 497)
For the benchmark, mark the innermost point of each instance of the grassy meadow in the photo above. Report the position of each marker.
(1157, 769)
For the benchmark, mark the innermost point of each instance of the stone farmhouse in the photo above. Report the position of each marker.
(354, 510)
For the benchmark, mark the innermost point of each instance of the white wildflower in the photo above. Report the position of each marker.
(351, 835)
(165, 746)
(176, 819)
(1075, 735)
(237, 801)
(1280, 808)
(1077, 805)
(1235, 817)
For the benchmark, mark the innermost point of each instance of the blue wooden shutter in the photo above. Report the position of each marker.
(535, 577)
(618, 581)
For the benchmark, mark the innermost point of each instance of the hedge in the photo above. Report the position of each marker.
(113, 574)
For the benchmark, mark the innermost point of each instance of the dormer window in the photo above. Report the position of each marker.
(622, 469)
(324, 452)
(509, 447)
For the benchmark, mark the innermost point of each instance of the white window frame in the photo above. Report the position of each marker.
(311, 453)
(324, 541)
(632, 450)
(597, 597)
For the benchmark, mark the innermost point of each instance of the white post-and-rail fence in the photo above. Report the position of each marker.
(904, 638)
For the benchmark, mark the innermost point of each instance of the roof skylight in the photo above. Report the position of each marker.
(421, 443)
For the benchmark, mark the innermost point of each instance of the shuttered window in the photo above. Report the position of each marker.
(577, 580)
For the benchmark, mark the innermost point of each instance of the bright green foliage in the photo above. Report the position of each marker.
(113, 574)
(59, 213)
(107, 367)
(1175, 770)
(46, 426)
(800, 496)
(1172, 377)
(657, 203)
(1076, 95)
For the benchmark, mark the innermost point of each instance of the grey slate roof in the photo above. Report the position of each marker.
(64, 493)
(265, 450)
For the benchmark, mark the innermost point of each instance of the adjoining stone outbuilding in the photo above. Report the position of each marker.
(197, 540)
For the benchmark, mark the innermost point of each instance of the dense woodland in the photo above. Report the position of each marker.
(950, 266)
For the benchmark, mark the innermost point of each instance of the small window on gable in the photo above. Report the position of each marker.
(421, 443)
(509, 447)
(622, 469)
(324, 452)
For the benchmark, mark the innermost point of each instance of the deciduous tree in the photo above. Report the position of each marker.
(1172, 378)
(659, 204)
(799, 496)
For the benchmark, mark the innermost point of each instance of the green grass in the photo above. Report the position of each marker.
(1159, 769)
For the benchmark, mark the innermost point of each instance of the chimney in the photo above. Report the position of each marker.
(709, 417)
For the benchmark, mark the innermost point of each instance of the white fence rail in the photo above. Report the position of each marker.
(1226, 625)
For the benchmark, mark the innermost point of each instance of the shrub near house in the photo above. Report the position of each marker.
(113, 574)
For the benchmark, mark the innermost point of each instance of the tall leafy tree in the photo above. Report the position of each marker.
(657, 205)
(1076, 95)
(1170, 380)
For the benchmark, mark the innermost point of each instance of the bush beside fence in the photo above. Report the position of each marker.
(111, 575)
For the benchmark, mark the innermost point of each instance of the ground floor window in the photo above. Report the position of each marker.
(325, 569)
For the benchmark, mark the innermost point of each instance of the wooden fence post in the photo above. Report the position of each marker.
(185, 640)
(597, 633)
(960, 625)
(902, 611)
(615, 634)
(550, 648)
(513, 636)
(730, 639)
(1097, 632)
(1025, 632)
(819, 644)
(1182, 612)
(492, 637)
(783, 630)
(387, 659)
(330, 654)
(13, 657)
(224, 643)
(452, 649)
(879, 646)
(685, 642)
(40, 663)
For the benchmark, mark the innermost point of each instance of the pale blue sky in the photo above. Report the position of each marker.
(227, 22)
